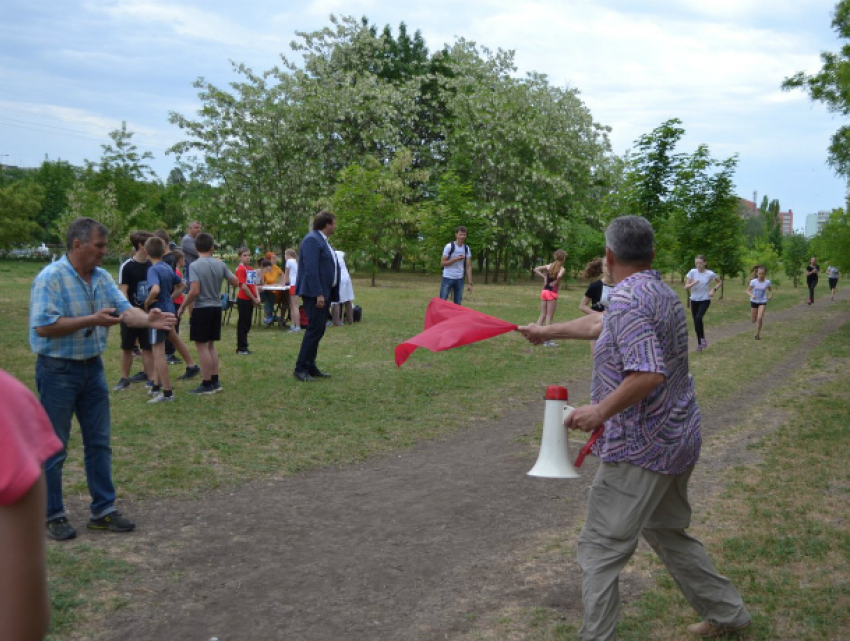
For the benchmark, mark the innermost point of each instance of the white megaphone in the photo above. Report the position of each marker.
(554, 459)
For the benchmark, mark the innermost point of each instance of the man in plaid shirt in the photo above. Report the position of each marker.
(73, 303)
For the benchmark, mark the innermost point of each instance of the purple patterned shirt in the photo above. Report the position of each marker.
(644, 330)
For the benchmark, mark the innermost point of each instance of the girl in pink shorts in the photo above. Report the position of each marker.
(552, 275)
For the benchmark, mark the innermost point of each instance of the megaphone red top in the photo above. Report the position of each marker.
(556, 393)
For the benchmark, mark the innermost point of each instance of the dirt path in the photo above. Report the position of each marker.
(411, 546)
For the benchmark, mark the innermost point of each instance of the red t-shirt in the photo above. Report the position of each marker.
(27, 439)
(179, 300)
(248, 276)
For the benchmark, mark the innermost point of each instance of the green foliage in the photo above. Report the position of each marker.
(831, 86)
(103, 207)
(20, 204)
(832, 244)
(762, 253)
(373, 203)
(795, 254)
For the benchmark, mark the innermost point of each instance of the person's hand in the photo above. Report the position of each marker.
(533, 332)
(106, 317)
(320, 302)
(157, 319)
(459, 258)
(469, 287)
(585, 418)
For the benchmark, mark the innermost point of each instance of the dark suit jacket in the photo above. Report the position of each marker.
(316, 266)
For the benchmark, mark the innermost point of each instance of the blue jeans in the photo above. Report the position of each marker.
(269, 299)
(65, 388)
(454, 285)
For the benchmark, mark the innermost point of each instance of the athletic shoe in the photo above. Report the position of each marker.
(123, 384)
(171, 359)
(705, 343)
(699, 345)
(704, 629)
(60, 530)
(293, 330)
(136, 352)
(113, 522)
(549, 344)
(203, 389)
(141, 377)
(161, 398)
(153, 392)
(191, 372)
(244, 352)
(217, 387)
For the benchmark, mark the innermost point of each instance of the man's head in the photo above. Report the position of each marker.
(155, 247)
(460, 235)
(86, 244)
(629, 245)
(194, 229)
(138, 239)
(204, 242)
(325, 222)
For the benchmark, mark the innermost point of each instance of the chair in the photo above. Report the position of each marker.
(228, 302)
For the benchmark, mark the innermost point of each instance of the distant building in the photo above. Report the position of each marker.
(815, 222)
(748, 209)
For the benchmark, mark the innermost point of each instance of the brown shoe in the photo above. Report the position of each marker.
(704, 629)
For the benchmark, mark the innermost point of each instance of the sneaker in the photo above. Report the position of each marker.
(161, 398)
(203, 389)
(123, 384)
(294, 329)
(141, 377)
(704, 629)
(191, 372)
(136, 352)
(549, 344)
(699, 345)
(113, 522)
(705, 343)
(171, 359)
(60, 530)
(217, 387)
(244, 352)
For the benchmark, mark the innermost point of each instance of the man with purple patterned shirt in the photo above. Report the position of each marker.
(643, 394)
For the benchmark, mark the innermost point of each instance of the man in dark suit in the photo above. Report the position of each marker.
(318, 287)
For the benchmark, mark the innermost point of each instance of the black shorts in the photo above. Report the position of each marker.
(756, 305)
(129, 336)
(205, 324)
(833, 283)
(157, 336)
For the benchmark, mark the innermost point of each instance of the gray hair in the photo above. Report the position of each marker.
(631, 239)
(82, 229)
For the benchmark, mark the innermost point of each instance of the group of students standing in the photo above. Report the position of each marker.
(700, 282)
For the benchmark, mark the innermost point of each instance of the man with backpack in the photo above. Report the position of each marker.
(455, 256)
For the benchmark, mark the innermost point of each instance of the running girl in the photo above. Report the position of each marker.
(698, 283)
(552, 275)
(760, 292)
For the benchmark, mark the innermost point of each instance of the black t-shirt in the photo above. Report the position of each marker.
(811, 274)
(134, 275)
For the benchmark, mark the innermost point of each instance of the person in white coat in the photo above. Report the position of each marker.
(346, 295)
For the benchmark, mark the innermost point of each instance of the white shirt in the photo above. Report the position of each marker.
(702, 283)
(456, 270)
(292, 265)
(759, 290)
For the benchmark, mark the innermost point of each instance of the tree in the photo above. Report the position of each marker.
(57, 178)
(103, 207)
(831, 85)
(832, 243)
(795, 254)
(20, 204)
(374, 202)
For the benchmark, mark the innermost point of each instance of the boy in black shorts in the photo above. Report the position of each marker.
(205, 280)
(132, 281)
(162, 281)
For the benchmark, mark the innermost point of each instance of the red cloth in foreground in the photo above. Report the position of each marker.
(448, 325)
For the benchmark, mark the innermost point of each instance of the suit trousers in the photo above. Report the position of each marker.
(625, 502)
(317, 320)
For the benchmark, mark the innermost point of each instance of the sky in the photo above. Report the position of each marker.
(72, 70)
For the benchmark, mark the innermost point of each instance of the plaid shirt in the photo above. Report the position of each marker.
(59, 291)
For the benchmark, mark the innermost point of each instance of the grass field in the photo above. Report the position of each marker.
(266, 425)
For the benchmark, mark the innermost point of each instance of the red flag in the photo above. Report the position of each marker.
(448, 325)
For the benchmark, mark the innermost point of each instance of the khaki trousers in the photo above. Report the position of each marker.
(627, 501)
